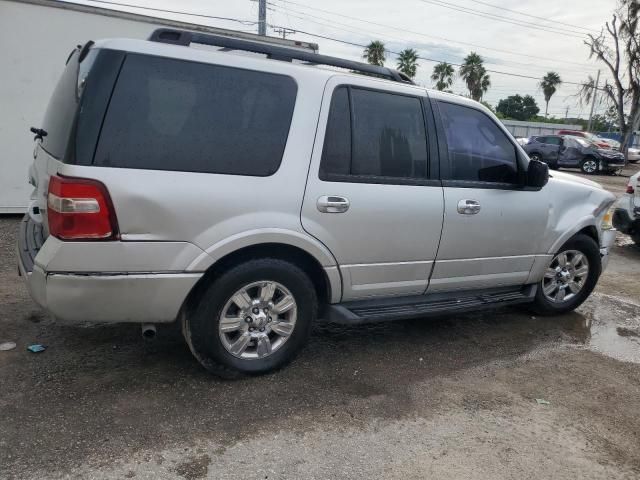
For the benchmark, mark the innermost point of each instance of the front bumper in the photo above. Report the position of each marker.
(607, 241)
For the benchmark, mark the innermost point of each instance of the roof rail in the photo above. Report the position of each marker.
(276, 52)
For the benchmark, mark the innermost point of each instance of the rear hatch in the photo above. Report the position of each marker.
(72, 121)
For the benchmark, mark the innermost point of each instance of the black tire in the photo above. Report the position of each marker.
(554, 166)
(589, 248)
(200, 326)
(635, 236)
(587, 161)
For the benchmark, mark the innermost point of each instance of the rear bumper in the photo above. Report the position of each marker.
(623, 222)
(138, 298)
(106, 297)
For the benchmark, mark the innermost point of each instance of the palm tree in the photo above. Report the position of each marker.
(549, 85)
(475, 75)
(408, 62)
(374, 53)
(443, 75)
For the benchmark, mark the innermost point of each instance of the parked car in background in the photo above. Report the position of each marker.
(626, 216)
(633, 155)
(246, 197)
(573, 152)
(600, 142)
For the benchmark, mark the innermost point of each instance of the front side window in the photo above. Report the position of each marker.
(553, 140)
(374, 134)
(478, 149)
(168, 114)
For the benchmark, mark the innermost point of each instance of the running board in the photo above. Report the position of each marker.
(415, 306)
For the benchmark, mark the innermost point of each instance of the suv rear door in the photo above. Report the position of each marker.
(371, 197)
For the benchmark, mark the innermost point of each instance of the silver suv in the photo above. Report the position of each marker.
(247, 195)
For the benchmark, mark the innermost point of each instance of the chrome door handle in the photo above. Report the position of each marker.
(468, 207)
(333, 204)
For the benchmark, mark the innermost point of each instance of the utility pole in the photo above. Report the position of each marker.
(593, 103)
(262, 17)
(566, 114)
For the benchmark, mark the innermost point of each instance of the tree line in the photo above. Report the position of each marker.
(475, 76)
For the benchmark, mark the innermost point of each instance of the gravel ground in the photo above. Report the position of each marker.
(453, 397)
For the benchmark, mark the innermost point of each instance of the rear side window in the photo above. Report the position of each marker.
(176, 115)
(478, 149)
(553, 140)
(374, 134)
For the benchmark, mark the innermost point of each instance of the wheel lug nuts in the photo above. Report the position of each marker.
(251, 329)
(269, 319)
(262, 329)
(248, 319)
(256, 310)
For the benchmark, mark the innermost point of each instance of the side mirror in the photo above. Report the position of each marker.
(537, 174)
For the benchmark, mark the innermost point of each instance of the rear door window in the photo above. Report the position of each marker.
(374, 136)
(168, 114)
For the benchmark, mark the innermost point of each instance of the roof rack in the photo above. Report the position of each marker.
(276, 52)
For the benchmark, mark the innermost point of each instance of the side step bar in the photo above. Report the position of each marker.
(416, 306)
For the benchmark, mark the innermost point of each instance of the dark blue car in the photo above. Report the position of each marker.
(574, 152)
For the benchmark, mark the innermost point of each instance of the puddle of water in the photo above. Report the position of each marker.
(607, 325)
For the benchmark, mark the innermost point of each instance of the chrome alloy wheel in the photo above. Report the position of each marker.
(257, 320)
(590, 166)
(565, 276)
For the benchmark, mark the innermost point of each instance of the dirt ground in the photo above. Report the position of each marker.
(462, 396)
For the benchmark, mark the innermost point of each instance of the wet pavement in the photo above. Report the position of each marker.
(449, 397)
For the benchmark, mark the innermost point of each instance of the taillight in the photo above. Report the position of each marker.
(80, 209)
(630, 189)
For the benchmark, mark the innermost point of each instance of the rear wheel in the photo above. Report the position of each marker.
(636, 238)
(570, 277)
(252, 319)
(589, 166)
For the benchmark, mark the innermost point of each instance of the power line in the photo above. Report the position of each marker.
(358, 31)
(490, 16)
(550, 20)
(397, 53)
(405, 30)
(325, 37)
(228, 19)
(426, 59)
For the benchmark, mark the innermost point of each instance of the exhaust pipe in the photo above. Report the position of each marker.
(148, 331)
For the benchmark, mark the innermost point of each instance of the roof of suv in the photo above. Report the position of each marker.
(244, 59)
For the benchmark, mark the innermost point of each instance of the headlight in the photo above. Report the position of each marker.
(607, 220)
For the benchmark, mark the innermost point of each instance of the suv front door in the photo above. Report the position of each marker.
(493, 226)
(370, 197)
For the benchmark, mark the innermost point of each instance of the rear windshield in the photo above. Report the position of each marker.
(168, 114)
(60, 114)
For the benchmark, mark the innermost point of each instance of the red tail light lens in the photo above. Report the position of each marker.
(630, 189)
(80, 209)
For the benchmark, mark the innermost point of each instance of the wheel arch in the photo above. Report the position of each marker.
(316, 261)
(585, 226)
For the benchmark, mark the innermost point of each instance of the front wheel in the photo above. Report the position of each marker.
(570, 277)
(252, 319)
(589, 166)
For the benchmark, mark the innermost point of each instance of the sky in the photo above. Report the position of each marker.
(525, 38)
